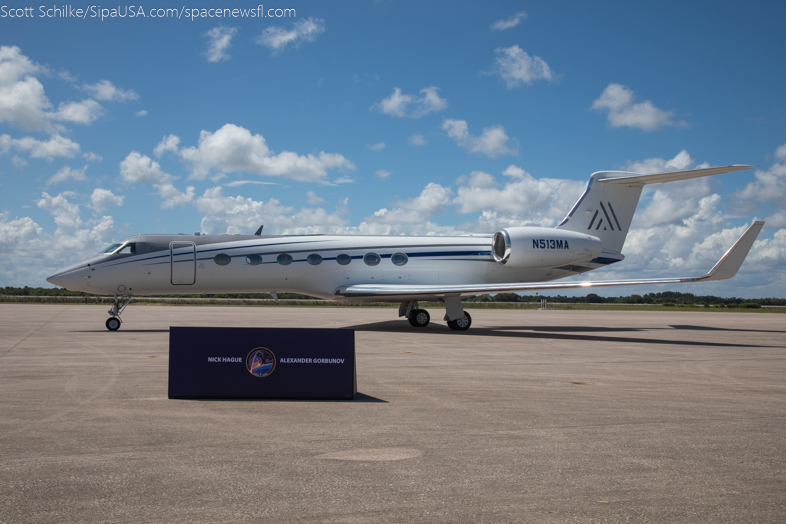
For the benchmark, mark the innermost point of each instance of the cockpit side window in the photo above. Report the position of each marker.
(129, 249)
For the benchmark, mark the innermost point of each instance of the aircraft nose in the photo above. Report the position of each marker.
(69, 278)
(61, 280)
(57, 280)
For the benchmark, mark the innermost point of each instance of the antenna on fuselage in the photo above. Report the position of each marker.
(259, 231)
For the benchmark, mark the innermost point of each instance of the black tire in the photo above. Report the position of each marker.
(419, 318)
(461, 324)
(113, 323)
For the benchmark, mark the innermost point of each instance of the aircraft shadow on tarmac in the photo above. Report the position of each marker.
(122, 331)
(540, 332)
(711, 328)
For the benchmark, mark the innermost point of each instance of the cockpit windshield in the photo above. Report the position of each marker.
(110, 249)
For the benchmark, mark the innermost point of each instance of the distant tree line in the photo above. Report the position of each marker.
(664, 298)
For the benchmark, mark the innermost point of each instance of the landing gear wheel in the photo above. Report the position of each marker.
(419, 318)
(460, 324)
(113, 323)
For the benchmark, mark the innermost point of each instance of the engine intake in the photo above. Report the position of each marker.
(538, 247)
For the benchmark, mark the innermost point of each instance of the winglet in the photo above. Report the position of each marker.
(730, 263)
(259, 231)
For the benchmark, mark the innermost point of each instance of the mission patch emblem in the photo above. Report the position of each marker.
(261, 362)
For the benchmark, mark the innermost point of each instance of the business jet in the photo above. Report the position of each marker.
(399, 269)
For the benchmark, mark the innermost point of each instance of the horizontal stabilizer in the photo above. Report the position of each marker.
(726, 267)
(657, 178)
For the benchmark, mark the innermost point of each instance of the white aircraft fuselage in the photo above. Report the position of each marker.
(318, 265)
(404, 269)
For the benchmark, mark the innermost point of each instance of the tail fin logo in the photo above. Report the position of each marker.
(608, 224)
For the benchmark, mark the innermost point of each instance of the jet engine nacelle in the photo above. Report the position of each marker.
(538, 247)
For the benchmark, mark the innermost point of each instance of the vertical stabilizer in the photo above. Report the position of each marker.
(606, 208)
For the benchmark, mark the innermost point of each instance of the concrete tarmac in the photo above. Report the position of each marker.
(531, 416)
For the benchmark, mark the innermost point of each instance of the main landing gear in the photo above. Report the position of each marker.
(113, 322)
(461, 323)
(419, 318)
(456, 317)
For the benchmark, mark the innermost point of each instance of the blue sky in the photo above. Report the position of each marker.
(393, 118)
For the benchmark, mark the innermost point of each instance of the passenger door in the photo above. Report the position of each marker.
(182, 261)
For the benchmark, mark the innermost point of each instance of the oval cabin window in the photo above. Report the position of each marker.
(343, 259)
(371, 259)
(253, 260)
(284, 259)
(222, 259)
(399, 259)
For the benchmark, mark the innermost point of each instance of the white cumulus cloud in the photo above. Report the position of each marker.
(234, 149)
(416, 210)
(510, 22)
(92, 157)
(523, 201)
(22, 98)
(28, 254)
(219, 40)
(24, 103)
(399, 104)
(65, 213)
(56, 146)
(101, 200)
(84, 112)
(516, 67)
(107, 91)
(681, 162)
(226, 214)
(141, 169)
(492, 143)
(313, 199)
(417, 140)
(66, 173)
(303, 31)
(168, 143)
(769, 187)
(617, 99)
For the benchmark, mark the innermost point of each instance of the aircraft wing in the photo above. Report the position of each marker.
(725, 268)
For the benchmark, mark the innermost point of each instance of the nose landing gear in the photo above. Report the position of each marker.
(113, 322)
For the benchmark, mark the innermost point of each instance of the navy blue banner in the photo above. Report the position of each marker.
(261, 363)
